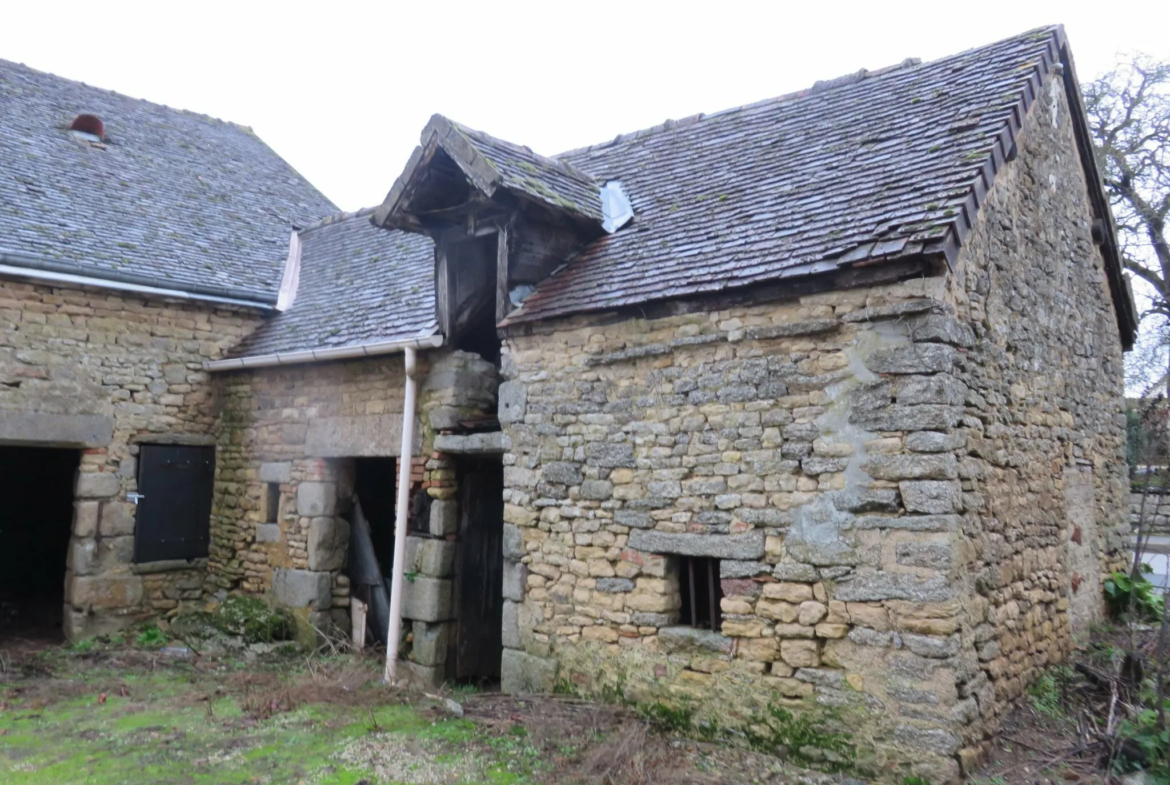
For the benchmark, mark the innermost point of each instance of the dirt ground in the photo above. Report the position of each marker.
(1055, 735)
(112, 715)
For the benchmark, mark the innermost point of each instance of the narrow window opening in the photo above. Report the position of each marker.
(272, 510)
(698, 581)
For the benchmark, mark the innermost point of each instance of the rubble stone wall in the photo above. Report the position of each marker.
(1044, 475)
(300, 427)
(890, 477)
(810, 447)
(104, 372)
(1156, 511)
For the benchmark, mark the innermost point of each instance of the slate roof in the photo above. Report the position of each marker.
(178, 197)
(491, 164)
(869, 167)
(358, 284)
(555, 182)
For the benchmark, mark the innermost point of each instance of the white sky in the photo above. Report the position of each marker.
(342, 90)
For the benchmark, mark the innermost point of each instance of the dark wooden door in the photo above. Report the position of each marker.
(174, 505)
(481, 571)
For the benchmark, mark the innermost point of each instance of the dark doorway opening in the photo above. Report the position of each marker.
(479, 588)
(471, 263)
(36, 484)
(374, 484)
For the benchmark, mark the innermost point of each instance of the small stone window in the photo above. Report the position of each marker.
(698, 582)
(272, 502)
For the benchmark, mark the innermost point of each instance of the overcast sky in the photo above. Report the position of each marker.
(342, 90)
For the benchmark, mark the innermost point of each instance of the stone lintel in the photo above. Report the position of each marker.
(357, 436)
(748, 546)
(276, 472)
(495, 443)
(56, 430)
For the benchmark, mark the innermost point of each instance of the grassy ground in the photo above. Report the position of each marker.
(129, 717)
(109, 716)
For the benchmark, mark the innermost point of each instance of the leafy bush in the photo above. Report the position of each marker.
(1149, 747)
(1132, 598)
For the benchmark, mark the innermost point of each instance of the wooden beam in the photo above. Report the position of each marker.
(503, 306)
(444, 290)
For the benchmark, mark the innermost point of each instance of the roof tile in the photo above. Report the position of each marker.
(176, 196)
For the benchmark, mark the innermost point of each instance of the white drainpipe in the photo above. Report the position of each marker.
(410, 400)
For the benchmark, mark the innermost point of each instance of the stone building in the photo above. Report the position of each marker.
(813, 404)
(136, 243)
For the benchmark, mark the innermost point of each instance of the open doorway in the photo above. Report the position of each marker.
(480, 598)
(374, 485)
(36, 484)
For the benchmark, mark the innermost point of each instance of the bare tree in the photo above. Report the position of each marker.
(1129, 113)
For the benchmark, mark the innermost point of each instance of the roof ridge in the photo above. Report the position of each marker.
(552, 161)
(819, 87)
(203, 115)
(337, 217)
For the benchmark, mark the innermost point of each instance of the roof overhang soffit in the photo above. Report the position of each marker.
(399, 210)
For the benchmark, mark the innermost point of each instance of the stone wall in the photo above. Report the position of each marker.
(104, 372)
(810, 447)
(1044, 475)
(1156, 512)
(300, 427)
(897, 481)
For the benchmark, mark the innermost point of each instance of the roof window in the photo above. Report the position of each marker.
(88, 127)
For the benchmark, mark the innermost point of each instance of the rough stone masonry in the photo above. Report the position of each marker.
(105, 373)
(911, 490)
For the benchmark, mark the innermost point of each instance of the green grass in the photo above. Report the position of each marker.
(164, 731)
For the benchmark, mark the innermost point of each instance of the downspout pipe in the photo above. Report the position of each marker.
(398, 575)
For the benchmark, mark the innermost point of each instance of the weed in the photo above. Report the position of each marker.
(84, 645)
(464, 689)
(669, 719)
(915, 781)
(1047, 692)
(151, 637)
(805, 738)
